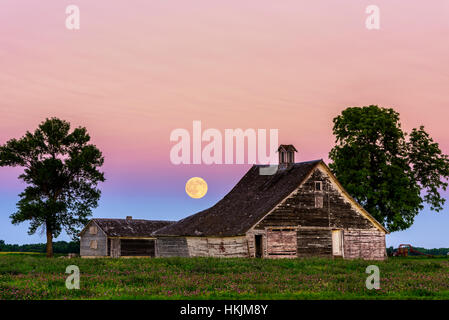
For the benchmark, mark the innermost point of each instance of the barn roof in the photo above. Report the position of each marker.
(130, 227)
(253, 197)
(287, 147)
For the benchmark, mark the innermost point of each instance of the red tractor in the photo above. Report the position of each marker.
(404, 250)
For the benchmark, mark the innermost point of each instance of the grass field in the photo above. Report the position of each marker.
(35, 277)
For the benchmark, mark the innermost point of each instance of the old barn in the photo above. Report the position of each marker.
(300, 211)
(120, 238)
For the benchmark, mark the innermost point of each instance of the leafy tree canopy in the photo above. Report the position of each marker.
(389, 172)
(61, 170)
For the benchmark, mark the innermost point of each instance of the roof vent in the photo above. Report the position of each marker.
(129, 218)
(286, 154)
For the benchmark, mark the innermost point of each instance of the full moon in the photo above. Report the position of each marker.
(196, 187)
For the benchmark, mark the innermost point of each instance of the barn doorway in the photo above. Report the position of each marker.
(137, 248)
(337, 243)
(258, 241)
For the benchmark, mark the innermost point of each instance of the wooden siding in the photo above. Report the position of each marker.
(217, 247)
(281, 243)
(314, 242)
(86, 238)
(364, 244)
(171, 247)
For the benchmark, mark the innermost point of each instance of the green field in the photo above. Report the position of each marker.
(35, 277)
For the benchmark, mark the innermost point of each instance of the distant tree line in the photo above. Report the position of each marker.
(435, 251)
(58, 247)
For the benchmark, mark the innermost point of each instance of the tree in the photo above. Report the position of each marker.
(61, 170)
(390, 173)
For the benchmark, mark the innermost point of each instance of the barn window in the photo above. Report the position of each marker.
(318, 186)
(93, 230)
(93, 244)
(318, 201)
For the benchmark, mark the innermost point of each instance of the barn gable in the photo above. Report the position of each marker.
(320, 201)
(93, 240)
(91, 223)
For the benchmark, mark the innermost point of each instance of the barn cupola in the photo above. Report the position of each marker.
(286, 154)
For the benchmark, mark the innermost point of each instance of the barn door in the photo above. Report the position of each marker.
(337, 243)
(282, 242)
(115, 248)
(258, 243)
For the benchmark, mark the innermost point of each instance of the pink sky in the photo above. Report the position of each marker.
(136, 70)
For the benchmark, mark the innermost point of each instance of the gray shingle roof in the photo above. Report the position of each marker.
(130, 227)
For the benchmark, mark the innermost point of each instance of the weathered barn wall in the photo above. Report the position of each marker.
(171, 247)
(317, 213)
(365, 244)
(217, 247)
(85, 241)
(314, 242)
(281, 243)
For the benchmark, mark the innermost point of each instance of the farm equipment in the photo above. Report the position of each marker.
(405, 249)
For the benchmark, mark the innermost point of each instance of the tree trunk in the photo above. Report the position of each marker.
(49, 243)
